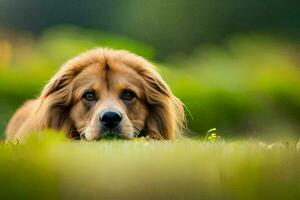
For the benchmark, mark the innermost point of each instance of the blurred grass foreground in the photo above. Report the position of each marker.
(55, 168)
(248, 86)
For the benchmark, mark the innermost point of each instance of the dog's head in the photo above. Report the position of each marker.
(108, 91)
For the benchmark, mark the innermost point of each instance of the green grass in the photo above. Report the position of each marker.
(246, 87)
(51, 167)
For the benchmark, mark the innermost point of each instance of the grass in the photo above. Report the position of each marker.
(51, 167)
(247, 86)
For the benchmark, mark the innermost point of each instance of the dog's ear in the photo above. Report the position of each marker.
(56, 99)
(60, 85)
(166, 117)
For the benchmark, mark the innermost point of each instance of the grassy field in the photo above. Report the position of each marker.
(51, 167)
(247, 87)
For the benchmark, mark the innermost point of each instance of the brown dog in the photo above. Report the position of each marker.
(103, 91)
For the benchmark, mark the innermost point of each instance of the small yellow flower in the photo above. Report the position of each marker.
(213, 136)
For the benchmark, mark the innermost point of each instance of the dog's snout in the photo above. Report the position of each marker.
(110, 119)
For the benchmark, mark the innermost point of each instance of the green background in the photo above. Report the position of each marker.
(235, 64)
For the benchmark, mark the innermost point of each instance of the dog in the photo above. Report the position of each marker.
(103, 91)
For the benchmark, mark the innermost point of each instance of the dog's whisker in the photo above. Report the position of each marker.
(154, 134)
(81, 129)
(136, 131)
(82, 132)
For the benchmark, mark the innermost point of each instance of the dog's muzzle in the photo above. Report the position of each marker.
(110, 119)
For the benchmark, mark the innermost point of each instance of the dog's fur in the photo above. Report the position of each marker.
(154, 111)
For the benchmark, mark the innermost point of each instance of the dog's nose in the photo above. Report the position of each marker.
(110, 119)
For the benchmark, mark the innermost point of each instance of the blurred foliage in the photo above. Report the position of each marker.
(169, 25)
(250, 84)
(53, 167)
(246, 86)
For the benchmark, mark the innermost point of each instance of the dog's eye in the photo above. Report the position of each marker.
(127, 95)
(89, 96)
